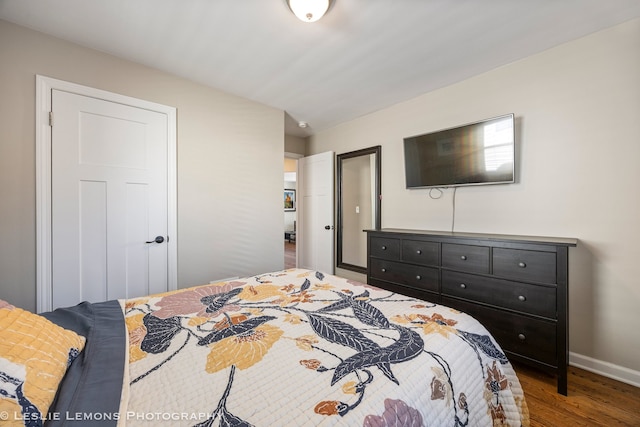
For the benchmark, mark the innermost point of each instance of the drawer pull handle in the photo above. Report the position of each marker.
(522, 298)
(418, 251)
(521, 337)
(384, 248)
(418, 277)
(463, 257)
(463, 286)
(522, 264)
(384, 270)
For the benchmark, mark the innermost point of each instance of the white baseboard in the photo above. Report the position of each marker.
(606, 369)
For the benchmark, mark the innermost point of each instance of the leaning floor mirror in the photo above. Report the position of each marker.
(359, 182)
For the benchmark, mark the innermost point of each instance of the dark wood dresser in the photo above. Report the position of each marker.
(515, 285)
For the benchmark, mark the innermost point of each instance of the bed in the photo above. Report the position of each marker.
(288, 348)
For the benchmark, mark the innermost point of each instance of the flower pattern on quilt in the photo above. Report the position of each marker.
(344, 337)
(243, 350)
(440, 387)
(199, 301)
(396, 414)
(495, 382)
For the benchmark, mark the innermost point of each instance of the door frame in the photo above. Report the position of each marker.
(44, 87)
(298, 210)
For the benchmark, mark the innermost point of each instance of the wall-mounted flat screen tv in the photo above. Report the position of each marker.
(473, 154)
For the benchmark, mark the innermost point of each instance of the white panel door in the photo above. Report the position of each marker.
(108, 200)
(314, 238)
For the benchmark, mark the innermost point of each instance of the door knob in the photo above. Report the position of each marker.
(327, 227)
(158, 239)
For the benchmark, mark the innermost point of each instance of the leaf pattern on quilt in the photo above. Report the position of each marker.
(216, 302)
(408, 345)
(237, 329)
(342, 303)
(339, 332)
(396, 414)
(368, 314)
(338, 305)
(160, 332)
(227, 419)
(484, 343)
(385, 367)
(365, 294)
(344, 329)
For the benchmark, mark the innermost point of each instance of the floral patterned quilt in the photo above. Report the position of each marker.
(302, 348)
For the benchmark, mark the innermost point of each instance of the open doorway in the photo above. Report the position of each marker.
(290, 211)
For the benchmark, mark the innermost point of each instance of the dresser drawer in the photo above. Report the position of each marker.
(522, 297)
(525, 265)
(474, 259)
(425, 253)
(385, 248)
(409, 275)
(525, 336)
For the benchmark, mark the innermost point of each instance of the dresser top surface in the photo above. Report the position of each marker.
(563, 241)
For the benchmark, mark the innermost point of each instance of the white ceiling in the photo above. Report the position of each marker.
(364, 55)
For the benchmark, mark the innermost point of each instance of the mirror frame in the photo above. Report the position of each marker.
(376, 188)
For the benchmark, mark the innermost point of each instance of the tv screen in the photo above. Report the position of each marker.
(473, 154)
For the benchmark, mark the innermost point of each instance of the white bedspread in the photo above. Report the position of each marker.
(300, 348)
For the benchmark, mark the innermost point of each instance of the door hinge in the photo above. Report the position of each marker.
(51, 118)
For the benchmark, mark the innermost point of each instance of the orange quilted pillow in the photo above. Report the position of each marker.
(34, 356)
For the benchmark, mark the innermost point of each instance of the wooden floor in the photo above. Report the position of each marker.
(289, 254)
(592, 400)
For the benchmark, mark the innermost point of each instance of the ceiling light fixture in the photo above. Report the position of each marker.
(309, 10)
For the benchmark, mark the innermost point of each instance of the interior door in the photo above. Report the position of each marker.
(109, 226)
(314, 239)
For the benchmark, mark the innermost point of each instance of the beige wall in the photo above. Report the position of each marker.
(229, 174)
(295, 145)
(578, 129)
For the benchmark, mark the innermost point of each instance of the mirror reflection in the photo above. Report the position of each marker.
(358, 205)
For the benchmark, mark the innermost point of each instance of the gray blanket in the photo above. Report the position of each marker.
(89, 394)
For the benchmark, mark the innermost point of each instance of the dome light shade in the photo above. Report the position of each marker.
(308, 10)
